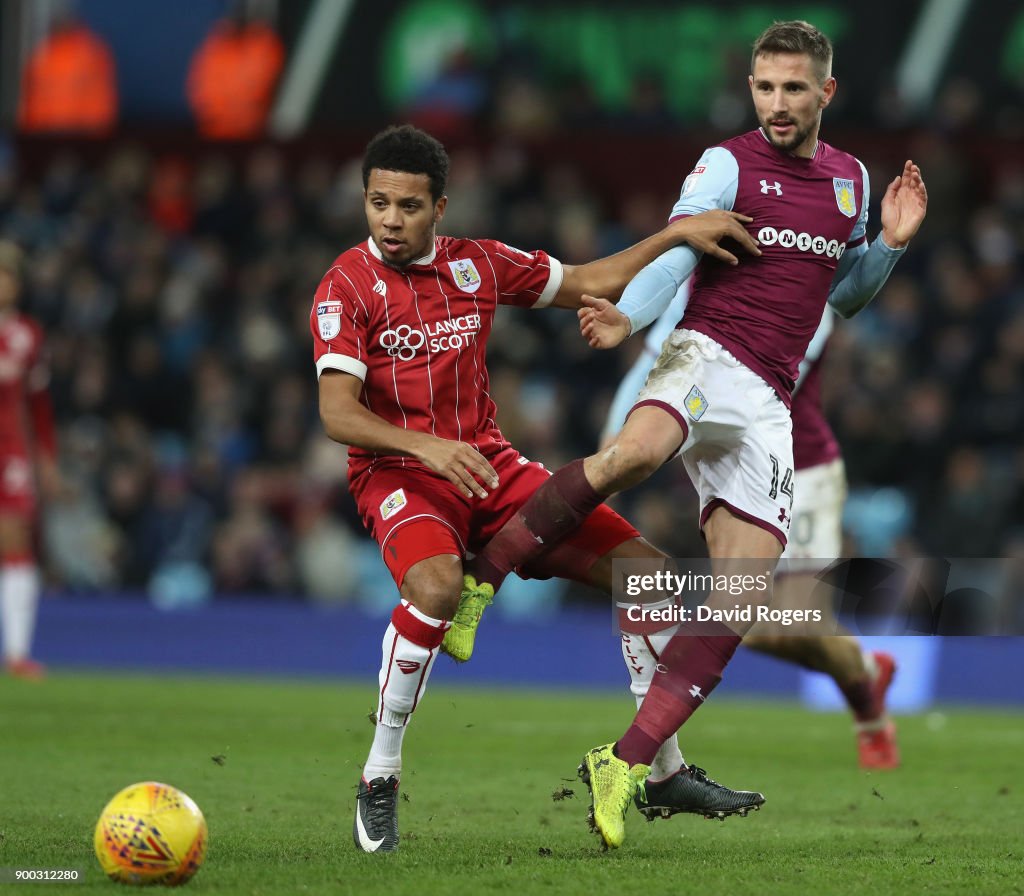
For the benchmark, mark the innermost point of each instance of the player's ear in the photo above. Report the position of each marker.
(828, 91)
(439, 209)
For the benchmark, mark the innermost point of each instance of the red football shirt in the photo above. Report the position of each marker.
(417, 337)
(26, 421)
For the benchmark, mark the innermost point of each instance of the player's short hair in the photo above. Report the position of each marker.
(795, 37)
(410, 150)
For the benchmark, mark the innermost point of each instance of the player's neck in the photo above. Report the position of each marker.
(806, 150)
(426, 258)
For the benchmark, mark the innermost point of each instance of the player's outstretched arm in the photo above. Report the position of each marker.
(904, 206)
(609, 276)
(863, 271)
(348, 421)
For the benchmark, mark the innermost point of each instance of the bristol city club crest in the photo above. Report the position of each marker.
(844, 196)
(467, 277)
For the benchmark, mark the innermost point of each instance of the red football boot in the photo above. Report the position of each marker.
(876, 735)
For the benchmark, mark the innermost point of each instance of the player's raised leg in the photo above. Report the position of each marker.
(559, 507)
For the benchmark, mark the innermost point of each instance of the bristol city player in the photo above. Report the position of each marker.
(400, 325)
(27, 448)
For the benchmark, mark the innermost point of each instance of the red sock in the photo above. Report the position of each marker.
(860, 699)
(556, 510)
(691, 666)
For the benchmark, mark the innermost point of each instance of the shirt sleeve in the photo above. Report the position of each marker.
(339, 322)
(711, 184)
(817, 345)
(859, 234)
(525, 279)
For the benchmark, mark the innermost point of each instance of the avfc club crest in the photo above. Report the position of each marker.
(695, 403)
(465, 274)
(845, 197)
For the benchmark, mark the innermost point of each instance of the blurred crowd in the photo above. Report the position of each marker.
(175, 292)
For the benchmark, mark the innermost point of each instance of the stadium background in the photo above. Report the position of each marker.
(174, 279)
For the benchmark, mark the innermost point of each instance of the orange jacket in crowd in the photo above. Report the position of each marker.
(69, 85)
(231, 80)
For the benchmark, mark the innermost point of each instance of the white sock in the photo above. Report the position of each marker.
(404, 671)
(19, 597)
(641, 655)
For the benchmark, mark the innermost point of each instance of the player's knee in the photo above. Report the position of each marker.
(436, 594)
(626, 463)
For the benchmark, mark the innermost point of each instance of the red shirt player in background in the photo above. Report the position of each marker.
(400, 324)
(28, 447)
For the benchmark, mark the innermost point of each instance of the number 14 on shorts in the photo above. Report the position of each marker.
(786, 484)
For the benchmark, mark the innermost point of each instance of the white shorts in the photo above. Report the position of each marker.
(738, 449)
(816, 534)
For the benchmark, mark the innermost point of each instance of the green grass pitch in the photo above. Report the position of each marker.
(481, 769)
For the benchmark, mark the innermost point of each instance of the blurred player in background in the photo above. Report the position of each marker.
(400, 325)
(28, 449)
(721, 390)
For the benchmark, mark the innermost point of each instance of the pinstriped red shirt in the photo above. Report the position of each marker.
(417, 336)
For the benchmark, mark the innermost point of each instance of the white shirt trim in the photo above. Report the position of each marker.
(554, 284)
(426, 259)
(344, 363)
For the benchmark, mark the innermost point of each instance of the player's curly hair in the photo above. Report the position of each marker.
(795, 37)
(408, 149)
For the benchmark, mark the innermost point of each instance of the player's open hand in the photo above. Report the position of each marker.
(903, 207)
(601, 323)
(459, 463)
(704, 232)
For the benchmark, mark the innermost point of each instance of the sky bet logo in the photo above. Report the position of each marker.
(403, 342)
(789, 239)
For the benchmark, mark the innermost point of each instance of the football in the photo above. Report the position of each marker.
(150, 833)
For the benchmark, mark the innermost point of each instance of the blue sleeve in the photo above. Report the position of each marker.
(711, 184)
(817, 345)
(862, 270)
(868, 269)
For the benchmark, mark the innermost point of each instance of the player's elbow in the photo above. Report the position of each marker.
(845, 310)
(333, 427)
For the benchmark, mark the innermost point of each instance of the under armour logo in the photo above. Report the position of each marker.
(407, 666)
(776, 187)
(695, 692)
(601, 762)
(783, 516)
(381, 288)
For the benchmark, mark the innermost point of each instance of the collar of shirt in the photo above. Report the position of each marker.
(426, 259)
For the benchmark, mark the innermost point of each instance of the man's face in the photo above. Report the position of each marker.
(401, 214)
(788, 98)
